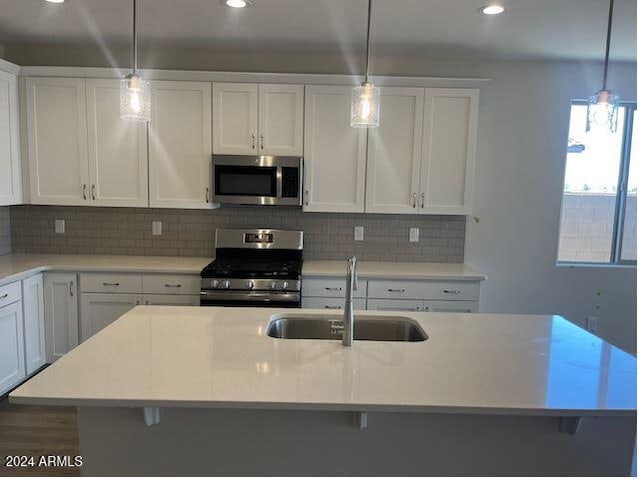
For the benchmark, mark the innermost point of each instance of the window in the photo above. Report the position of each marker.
(599, 202)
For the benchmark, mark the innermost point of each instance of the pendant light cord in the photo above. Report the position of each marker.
(135, 36)
(606, 55)
(366, 75)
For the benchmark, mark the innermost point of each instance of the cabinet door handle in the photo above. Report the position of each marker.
(332, 307)
(253, 141)
(177, 285)
(338, 289)
(395, 290)
(116, 284)
(93, 192)
(147, 302)
(454, 292)
(306, 197)
(137, 302)
(422, 196)
(415, 199)
(4, 296)
(262, 141)
(84, 191)
(71, 288)
(206, 194)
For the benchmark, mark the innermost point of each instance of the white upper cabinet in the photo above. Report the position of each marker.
(180, 145)
(117, 149)
(235, 107)
(57, 141)
(10, 181)
(393, 164)
(448, 150)
(280, 119)
(335, 154)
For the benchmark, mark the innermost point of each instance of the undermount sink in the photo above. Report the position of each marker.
(392, 329)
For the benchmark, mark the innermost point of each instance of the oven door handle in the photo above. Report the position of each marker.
(239, 295)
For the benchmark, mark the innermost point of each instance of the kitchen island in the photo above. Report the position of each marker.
(205, 391)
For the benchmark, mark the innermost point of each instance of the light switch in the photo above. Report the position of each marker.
(358, 233)
(414, 235)
(156, 228)
(60, 227)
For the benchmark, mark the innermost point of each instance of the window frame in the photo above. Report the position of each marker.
(616, 259)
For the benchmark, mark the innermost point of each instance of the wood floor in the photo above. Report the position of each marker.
(37, 431)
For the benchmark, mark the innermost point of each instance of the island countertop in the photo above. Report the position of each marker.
(210, 357)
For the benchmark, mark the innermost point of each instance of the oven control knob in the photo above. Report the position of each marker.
(215, 283)
(285, 285)
(227, 284)
(274, 285)
(249, 284)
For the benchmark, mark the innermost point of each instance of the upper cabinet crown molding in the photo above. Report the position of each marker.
(252, 119)
(10, 173)
(180, 145)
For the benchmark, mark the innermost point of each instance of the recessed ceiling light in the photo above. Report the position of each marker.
(493, 9)
(237, 3)
(55, 1)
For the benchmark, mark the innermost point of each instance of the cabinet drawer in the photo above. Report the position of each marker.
(184, 300)
(10, 293)
(330, 303)
(171, 284)
(415, 289)
(467, 307)
(390, 304)
(111, 283)
(330, 287)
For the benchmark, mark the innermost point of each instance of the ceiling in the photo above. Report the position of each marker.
(451, 29)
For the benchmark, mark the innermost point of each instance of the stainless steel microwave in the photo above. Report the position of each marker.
(257, 180)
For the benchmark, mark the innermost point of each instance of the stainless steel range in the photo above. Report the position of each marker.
(254, 268)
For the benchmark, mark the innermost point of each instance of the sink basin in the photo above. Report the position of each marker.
(392, 329)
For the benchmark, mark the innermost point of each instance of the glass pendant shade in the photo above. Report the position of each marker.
(602, 110)
(365, 106)
(135, 99)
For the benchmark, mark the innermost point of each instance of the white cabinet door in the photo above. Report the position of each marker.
(57, 141)
(117, 149)
(390, 304)
(33, 308)
(450, 306)
(97, 310)
(180, 145)
(331, 303)
(182, 300)
(235, 126)
(335, 154)
(393, 165)
(448, 150)
(12, 369)
(280, 119)
(60, 314)
(10, 180)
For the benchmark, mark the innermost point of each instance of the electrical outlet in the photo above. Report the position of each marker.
(60, 227)
(358, 233)
(592, 324)
(156, 228)
(414, 235)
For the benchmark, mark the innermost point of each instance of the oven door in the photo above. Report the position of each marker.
(241, 298)
(250, 180)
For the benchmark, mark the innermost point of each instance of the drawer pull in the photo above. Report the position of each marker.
(4, 296)
(334, 289)
(176, 285)
(454, 292)
(332, 307)
(395, 290)
(116, 284)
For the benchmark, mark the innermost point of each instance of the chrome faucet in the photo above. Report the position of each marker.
(352, 285)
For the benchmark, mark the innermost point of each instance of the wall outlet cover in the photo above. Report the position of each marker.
(358, 233)
(60, 227)
(156, 228)
(592, 324)
(414, 235)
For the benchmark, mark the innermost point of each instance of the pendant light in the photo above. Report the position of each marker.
(365, 98)
(135, 94)
(602, 107)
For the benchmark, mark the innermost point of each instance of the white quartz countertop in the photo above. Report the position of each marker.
(18, 266)
(393, 270)
(222, 358)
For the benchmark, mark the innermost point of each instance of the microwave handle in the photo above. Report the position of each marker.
(279, 181)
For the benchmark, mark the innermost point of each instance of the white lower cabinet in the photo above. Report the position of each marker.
(469, 306)
(98, 310)
(391, 304)
(33, 309)
(183, 300)
(12, 365)
(331, 303)
(60, 314)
